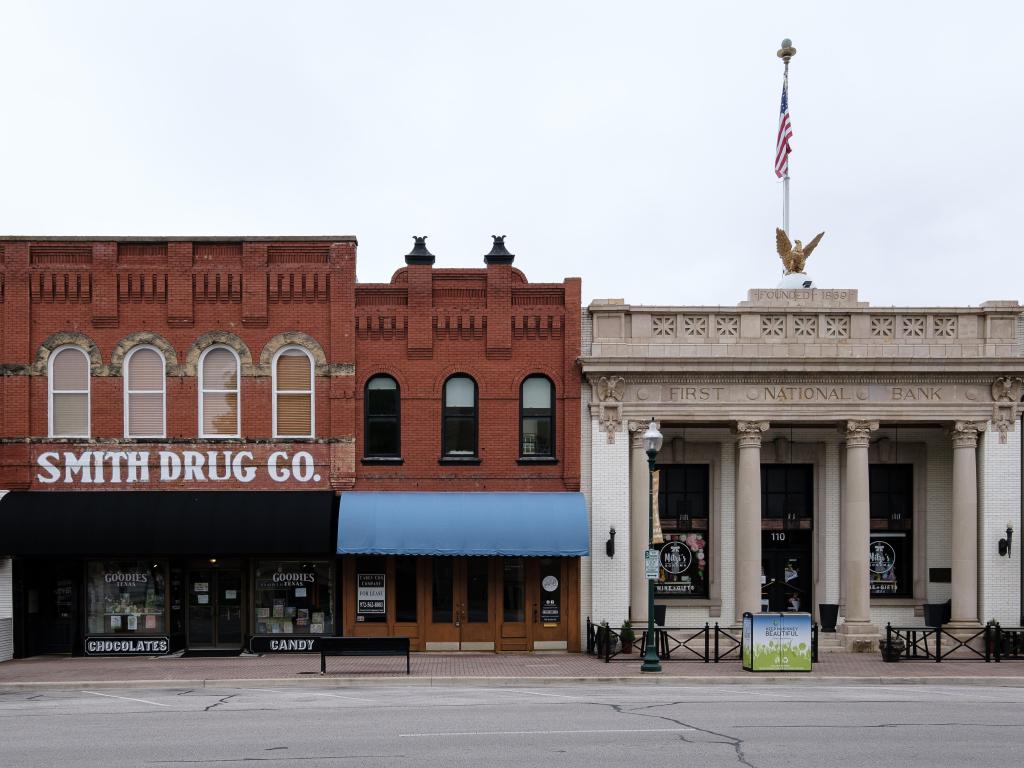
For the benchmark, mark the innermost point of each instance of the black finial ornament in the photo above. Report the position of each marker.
(499, 254)
(419, 253)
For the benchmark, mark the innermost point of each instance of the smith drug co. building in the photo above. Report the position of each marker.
(817, 450)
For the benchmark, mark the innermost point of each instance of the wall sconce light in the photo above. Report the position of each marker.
(1007, 543)
(609, 546)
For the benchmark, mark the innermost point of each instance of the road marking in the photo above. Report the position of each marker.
(127, 698)
(536, 693)
(313, 693)
(546, 733)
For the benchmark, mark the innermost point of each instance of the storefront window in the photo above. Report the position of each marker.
(371, 589)
(683, 510)
(125, 596)
(406, 586)
(294, 598)
(891, 551)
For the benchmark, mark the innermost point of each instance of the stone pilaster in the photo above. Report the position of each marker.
(639, 494)
(855, 524)
(965, 522)
(748, 517)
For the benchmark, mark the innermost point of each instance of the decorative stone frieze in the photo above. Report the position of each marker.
(664, 325)
(695, 326)
(837, 326)
(805, 326)
(913, 327)
(1006, 392)
(727, 326)
(944, 327)
(883, 327)
(773, 326)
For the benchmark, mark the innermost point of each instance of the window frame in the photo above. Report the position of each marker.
(128, 392)
(51, 391)
(311, 391)
(237, 390)
(551, 455)
(906, 573)
(708, 534)
(447, 456)
(397, 455)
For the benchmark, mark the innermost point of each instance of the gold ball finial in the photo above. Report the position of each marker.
(787, 51)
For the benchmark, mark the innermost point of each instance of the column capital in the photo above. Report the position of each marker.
(636, 432)
(858, 433)
(965, 433)
(750, 433)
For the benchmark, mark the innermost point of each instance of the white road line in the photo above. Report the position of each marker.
(536, 693)
(127, 698)
(546, 733)
(314, 693)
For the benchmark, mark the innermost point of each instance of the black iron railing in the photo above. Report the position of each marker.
(936, 644)
(1007, 643)
(705, 644)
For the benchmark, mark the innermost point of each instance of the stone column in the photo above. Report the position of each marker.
(639, 493)
(965, 522)
(748, 517)
(856, 529)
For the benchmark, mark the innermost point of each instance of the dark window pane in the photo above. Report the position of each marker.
(382, 402)
(405, 589)
(441, 599)
(460, 435)
(536, 436)
(513, 590)
(382, 436)
(477, 588)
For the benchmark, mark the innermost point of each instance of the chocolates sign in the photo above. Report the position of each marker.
(126, 646)
(195, 467)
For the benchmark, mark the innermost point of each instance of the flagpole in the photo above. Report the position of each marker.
(786, 52)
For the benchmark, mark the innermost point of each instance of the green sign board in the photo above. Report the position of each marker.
(776, 642)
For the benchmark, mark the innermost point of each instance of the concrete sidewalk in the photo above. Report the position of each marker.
(466, 668)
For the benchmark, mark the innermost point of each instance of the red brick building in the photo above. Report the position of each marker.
(179, 416)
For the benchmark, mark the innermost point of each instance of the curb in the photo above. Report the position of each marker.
(338, 682)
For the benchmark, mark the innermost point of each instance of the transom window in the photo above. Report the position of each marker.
(383, 438)
(144, 393)
(69, 392)
(787, 500)
(293, 393)
(459, 430)
(219, 394)
(537, 418)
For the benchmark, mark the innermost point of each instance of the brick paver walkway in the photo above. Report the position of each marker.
(439, 667)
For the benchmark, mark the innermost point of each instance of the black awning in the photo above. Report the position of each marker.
(55, 523)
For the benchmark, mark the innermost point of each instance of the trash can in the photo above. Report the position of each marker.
(659, 615)
(937, 614)
(776, 642)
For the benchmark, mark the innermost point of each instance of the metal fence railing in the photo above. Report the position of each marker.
(706, 644)
(936, 644)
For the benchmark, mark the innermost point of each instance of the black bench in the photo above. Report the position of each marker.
(362, 646)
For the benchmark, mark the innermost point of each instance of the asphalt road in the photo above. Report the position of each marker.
(574, 725)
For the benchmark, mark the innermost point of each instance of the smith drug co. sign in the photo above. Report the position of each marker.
(207, 467)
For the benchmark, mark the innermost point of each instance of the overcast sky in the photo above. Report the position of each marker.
(630, 144)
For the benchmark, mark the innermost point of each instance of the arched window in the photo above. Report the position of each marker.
(144, 393)
(383, 438)
(458, 433)
(293, 393)
(537, 418)
(69, 392)
(218, 393)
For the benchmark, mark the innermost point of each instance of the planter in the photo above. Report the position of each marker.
(892, 651)
(828, 613)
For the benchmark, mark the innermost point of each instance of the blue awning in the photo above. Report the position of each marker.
(512, 524)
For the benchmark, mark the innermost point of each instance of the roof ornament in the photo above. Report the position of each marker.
(499, 254)
(419, 253)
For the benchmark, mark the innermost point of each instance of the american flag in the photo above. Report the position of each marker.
(782, 148)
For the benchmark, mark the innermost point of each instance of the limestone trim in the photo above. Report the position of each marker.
(148, 339)
(1006, 392)
(68, 338)
(965, 433)
(293, 339)
(858, 433)
(750, 432)
(223, 338)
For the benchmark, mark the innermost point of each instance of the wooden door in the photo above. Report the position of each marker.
(549, 583)
(516, 607)
(460, 604)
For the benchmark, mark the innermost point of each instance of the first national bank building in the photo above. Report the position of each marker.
(817, 450)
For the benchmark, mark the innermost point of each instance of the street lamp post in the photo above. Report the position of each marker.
(652, 444)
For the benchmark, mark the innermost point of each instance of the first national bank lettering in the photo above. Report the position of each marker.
(102, 467)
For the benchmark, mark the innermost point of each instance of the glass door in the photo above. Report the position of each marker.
(547, 581)
(786, 572)
(215, 608)
(461, 603)
(516, 606)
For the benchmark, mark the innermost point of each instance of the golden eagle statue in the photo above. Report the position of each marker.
(794, 255)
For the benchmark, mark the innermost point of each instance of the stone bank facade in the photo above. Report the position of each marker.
(817, 450)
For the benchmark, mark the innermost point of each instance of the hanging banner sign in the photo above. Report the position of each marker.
(197, 467)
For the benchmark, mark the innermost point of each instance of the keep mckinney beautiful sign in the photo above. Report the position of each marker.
(156, 466)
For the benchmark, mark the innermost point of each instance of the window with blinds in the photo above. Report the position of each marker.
(69, 393)
(293, 393)
(536, 418)
(144, 393)
(218, 395)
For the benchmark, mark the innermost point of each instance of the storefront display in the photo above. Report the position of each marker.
(683, 511)
(294, 597)
(125, 597)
